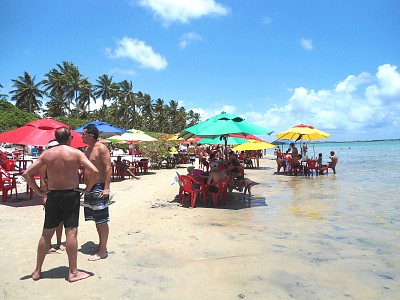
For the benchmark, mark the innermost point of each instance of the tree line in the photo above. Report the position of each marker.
(70, 94)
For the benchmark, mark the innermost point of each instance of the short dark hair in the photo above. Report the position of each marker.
(91, 129)
(332, 152)
(62, 135)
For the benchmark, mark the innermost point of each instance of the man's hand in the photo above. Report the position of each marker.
(105, 193)
(82, 191)
(43, 193)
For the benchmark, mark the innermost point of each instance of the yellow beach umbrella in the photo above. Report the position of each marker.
(302, 131)
(175, 137)
(253, 145)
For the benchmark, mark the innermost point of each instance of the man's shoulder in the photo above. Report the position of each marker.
(101, 147)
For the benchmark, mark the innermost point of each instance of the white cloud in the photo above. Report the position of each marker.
(138, 51)
(351, 83)
(189, 38)
(363, 106)
(185, 10)
(307, 44)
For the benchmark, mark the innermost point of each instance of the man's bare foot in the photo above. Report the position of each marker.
(137, 178)
(36, 275)
(98, 256)
(62, 247)
(78, 276)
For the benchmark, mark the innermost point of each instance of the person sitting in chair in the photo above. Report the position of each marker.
(235, 171)
(128, 169)
(215, 176)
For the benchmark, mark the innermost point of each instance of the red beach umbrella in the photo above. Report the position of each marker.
(39, 133)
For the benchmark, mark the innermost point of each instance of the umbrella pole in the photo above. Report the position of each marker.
(314, 151)
(226, 148)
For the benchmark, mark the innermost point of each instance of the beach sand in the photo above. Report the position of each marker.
(161, 250)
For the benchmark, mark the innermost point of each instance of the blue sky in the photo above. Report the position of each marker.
(330, 64)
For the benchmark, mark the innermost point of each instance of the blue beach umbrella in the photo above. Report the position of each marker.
(105, 129)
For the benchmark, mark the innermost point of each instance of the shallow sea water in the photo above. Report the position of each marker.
(342, 232)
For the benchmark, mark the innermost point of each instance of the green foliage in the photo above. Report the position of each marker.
(73, 122)
(68, 92)
(11, 117)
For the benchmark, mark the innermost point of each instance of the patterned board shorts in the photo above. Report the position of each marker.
(96, 206)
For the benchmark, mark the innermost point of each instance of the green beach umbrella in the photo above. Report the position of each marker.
(217, 141)
(221, 126)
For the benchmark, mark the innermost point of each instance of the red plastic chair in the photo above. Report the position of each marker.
(23, 164)
(117, 172)
(237, 178)
(10, 165)
(222, 186)
(326, 169)
(190, 187)
(143, 164)
(323, 169)
(312, 165)
(296, 169)
(9, 183)
(36, 177)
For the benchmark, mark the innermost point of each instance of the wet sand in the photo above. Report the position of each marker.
(278, 245)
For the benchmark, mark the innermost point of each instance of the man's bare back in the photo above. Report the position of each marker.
(62, 164)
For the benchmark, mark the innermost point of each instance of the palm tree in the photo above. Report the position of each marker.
(127, 99)
(193, 118)
(26, 93)
(2, 95)
(146, 107)
(56, 107)
(160, 119)
(55, 83)
(104, 89)
(74, 81)
(65, 83)
(85, 96)
(172, 111)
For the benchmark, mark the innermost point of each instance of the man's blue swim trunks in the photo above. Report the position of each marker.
(95, 206)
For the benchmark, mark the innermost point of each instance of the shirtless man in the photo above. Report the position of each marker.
(334, 160)
(215, 176)
(43, 186)
(295, 154)
(63, 201)
(192, 153)
(96, 202)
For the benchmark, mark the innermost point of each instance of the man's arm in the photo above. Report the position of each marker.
(43, 182)
(90, 167)
(30, 172)
(105, 159)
